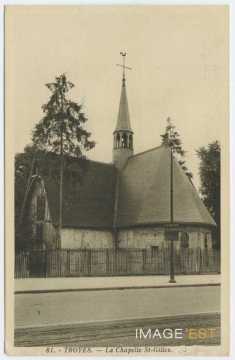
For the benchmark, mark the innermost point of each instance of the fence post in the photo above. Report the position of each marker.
(115, 261)
(107, 260)
(144, 259)
(45, 263)
(200, 260)
(89, 262)
(68, 262)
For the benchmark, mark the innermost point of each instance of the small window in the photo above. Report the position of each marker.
(41, 207)
(130, 142)
(206, 238)
(184, 241)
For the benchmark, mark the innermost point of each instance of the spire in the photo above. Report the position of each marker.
(123, 120)
(123, 134)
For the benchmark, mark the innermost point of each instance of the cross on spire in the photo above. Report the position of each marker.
(124, 67)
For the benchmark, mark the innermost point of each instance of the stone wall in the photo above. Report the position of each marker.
(85, 238)
(138, 238)
(155, 236)
(141, 238)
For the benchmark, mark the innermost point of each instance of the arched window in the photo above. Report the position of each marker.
(117, 141)
(184, 240)
(130, 142)
(124, 141)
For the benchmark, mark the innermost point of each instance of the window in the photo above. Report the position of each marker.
(124, 141)
(130, 142)
(41, 207)
(117, 141)
(184, 241)
(206, 238)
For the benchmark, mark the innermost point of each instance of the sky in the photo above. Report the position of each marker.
(179, 61)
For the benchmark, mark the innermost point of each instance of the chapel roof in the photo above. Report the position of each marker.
(88, 196)
(144, 193)
(96, 195)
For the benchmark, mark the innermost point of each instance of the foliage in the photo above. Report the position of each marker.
(60, 132)
(209, 171)
(171, 138)
(61, 129)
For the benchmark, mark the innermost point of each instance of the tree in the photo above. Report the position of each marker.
(171, 138)
(209, 171)
(61, 129)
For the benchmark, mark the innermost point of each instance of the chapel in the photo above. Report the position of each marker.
(133, 202)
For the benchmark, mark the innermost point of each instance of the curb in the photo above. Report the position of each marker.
(20, 292)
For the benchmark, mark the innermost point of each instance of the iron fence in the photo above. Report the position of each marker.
(111, 262)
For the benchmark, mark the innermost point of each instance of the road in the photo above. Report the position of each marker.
(75, 307)
(122, 333)
(110, 317)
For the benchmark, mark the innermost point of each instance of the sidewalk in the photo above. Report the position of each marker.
(108, 283)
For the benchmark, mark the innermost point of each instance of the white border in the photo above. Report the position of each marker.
(231, 3)
(2, 181)
(232, 177)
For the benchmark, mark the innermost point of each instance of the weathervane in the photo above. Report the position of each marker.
(124, 67)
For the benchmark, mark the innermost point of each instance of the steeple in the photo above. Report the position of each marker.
(123, 120)
(123, 134)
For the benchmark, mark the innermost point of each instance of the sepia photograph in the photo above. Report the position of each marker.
(116, 162)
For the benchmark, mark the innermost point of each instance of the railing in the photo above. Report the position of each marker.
(110, 262)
